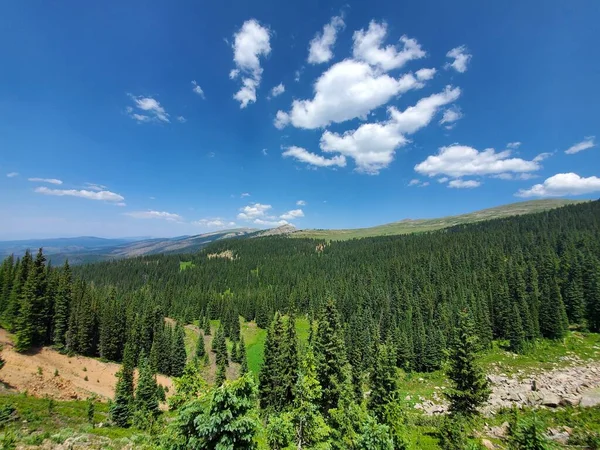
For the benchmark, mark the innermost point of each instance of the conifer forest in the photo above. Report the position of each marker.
(378, 310)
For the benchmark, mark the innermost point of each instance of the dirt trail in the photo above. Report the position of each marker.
(22, 372)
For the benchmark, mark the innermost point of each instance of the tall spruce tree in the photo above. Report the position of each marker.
(178, 354)
(121, 409)
(330, 355)
(146, 398)
(288, 362)
(271, 376)
(30, 322)
(242, 357)
(383, 383)
(470, 387)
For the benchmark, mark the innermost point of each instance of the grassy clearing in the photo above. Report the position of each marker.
(409, 226)
(185, 265)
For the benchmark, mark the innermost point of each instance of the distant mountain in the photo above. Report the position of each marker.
(86, 249)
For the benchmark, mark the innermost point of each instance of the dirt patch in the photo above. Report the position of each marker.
(46, 372)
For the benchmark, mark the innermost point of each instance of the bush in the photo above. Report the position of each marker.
(8, 413)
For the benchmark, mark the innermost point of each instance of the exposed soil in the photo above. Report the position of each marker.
(34, 372)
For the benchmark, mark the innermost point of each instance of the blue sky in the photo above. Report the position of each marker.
(160, 118)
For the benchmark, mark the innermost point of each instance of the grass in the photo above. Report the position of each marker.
(185, 265)
(409, 226)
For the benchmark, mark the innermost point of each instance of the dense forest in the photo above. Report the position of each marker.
(375, 304)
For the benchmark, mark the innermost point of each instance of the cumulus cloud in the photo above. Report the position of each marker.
(301, 203)
(313, 159)
(12, 174)
(451, 115)
(253, 211)
(418, 183)
(197, 89)
(443, 180)
(562, 184)
(181, 119)
(368, 47)
(90, 195)
(587, 143)
(543, 156)
(171, 217)
(372, 145)
(320, 47)
(250, 43)
(270, 223)
(425, 74)
(461, 160)
(464, 184)
(292, 214)
(45, 180)
(461, 59)
(513, 145)
(277, 90)
(347, 90)
(215, 222)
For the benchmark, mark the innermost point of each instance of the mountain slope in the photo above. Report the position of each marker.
(408, 226)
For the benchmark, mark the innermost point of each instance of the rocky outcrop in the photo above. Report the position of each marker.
(566, 386)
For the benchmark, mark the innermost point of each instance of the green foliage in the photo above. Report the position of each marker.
(188, 386)
(527, 433)
(121, 409)
(280, 431)
(224, 420)
(375, 436)
(221, 374)
(146, 400)
(384, 382)
(178, 355)
(91, 410)
(470, 387)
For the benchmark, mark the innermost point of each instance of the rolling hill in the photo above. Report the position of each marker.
(408, 226)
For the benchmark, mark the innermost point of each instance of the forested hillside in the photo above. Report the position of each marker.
(376, 304)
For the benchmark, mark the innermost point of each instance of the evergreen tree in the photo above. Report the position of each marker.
(219, 346)
(331, 356)
(227, 423)
(288, 362)
(433, 353)
(242, 357)
(271, 376)
(383, 383)
(178, 354)
(188, 386)
(30, 321)
(470, 387)
(200, 349)
(12, 311)
(221, 375)
(515, 334)
(146, 400)
(593, 303)
(206, 325)
(121, 408)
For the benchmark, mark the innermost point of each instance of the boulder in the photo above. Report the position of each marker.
(486, 443)
(550, 399)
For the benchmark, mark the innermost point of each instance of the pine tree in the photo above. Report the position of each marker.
(200, 349)
(383, 383)
(30, 322)
(188, 386)
(219, 346)
(242, 357)
(146, 400)
(515, 333)
(593, 302)
(121, 408)
(228, 422)
(271, 376)
(178, 354)
(433, 353)
(470, 387)
(221, 375)
(330, 354)
(12, 311)
(206, 325)
(288, 362)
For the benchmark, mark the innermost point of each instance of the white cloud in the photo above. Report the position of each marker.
(301, 203)
(347, 90)
(461, 59)
(414, 182)
(543, 156)
(587, 143)
(171, 217)
(368, 48)
(270, 223)
(372, 145)
(425, 74)
(253, 211)
(297, 74)
(293, 214)
(562, 184)
(151, 108)
(264, 152)
(197, 89)
(461, 160)
(278, 90)
(245, 194)
(320, 48)
(95, 187)
(443, 180)
(45, 180)
(513, 145)
(450, 116)
(91, 195)
(510, 176)
(216, 222)
(181, 119)
(250, 43)
(464, 184)
(12, 174)
(305, 156)
(121, 204)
